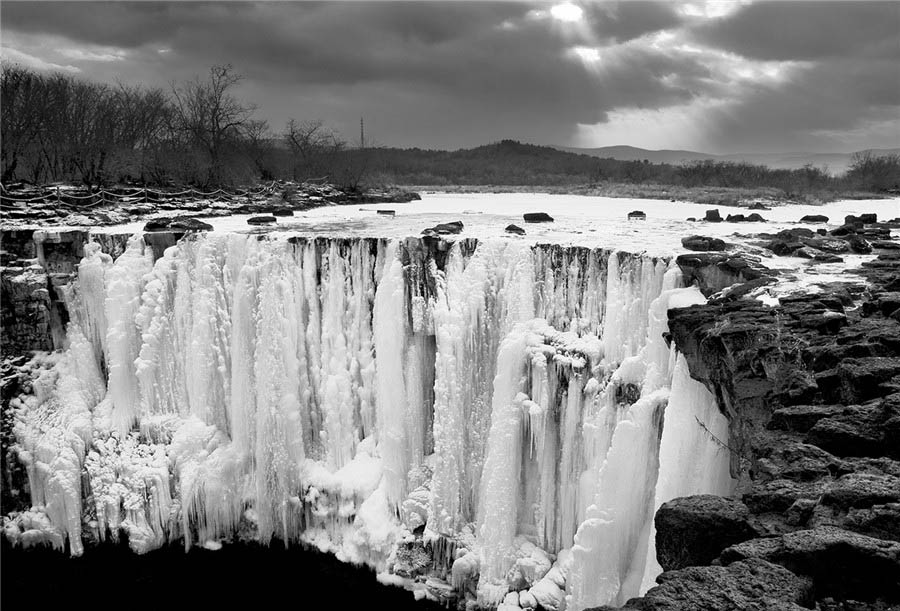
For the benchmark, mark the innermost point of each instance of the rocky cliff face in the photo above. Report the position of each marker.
(812, 390)
(37, 268)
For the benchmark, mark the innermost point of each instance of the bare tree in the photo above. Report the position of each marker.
(313, 148)
(21, 95)
(209, 115)
(260, 146)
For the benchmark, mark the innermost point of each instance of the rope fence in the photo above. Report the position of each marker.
(103, 196)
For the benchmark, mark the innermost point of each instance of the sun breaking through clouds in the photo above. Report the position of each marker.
(717, 76)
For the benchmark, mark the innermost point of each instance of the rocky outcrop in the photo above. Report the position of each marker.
(713, 216)
(177, 224)
(812, 390)
(26, 318)
(451, 228)
(693, 531)
(752, 584)
(840, 563)
(537, 217)
(702, 243)
(79, 207)
(38, 266)
(855, 236)
(713, 272)
(261, 220)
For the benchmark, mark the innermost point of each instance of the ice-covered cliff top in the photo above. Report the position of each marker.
(578, 220)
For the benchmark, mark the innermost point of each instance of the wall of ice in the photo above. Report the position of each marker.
(476, 420)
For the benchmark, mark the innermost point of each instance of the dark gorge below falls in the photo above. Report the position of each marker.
(479, 419)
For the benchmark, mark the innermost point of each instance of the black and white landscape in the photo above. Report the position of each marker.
(451, 304)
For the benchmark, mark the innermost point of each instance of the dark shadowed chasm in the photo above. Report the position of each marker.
(234, 577)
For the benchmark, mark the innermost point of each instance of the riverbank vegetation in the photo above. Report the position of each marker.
(59, 128)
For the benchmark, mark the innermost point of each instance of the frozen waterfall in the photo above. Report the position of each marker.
(476, 420)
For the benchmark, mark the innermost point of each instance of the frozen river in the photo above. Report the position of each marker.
(579, 220)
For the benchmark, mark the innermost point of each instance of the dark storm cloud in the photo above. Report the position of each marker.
(804, 30)
(120, 24)
(847, 76)
(452, 74)
(821, 100)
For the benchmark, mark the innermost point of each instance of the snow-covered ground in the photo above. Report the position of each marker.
(578, 220)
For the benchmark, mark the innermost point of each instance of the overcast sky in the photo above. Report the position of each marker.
(714, 76)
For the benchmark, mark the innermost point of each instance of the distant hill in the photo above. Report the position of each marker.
(510, 162)
(632, 153)
(836, 163)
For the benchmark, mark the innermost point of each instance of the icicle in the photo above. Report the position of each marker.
(500, 482)
(89, 307)
(692, 457)
(394, 426)
(125, 282)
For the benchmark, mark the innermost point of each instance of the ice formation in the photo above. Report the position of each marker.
(485, 420)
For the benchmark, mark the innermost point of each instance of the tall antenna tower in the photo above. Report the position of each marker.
(362, 134)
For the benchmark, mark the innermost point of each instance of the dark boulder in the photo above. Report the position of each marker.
(158, 224)
(861, 219)
(759, 206)
(190, 224)
(814, 218)
(881, 521)
(844, 230)
(861, 379)
(452, 228)
(859, 245)
(713, 216)
(537, 217)
(886, 245)
(692, 531)
(831, 245)
(855, 430)
(702, 243)
(755, 218)
(795, 233)
(779, 495)
(861, 490)
(801, 418)
(735, 218)
(784, 247)
(841, 563)
(807, 252)
(714, 271)
(793, 460)
(159, 241)
(882, 303)
(177, 224)
(748, 585)
(514, 229)
(282, 212)
(261, 220)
